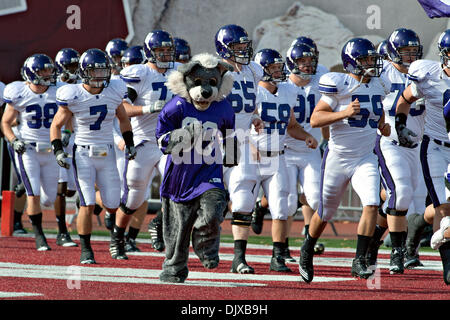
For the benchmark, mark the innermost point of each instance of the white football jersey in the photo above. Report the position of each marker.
(433, 84)
(36, 111)
(307, 98)
(397, 82)
(243, 95)
(354, 136)
(275, 110)
(2, 88)
(93, 114)
(150, 86)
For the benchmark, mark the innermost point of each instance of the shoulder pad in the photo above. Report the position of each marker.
(330, 82)
(133, 73)
(66, 94)
(257, 70)
(119, 87)
(421, 69)
(13, 91)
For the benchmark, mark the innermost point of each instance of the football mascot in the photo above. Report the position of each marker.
(195, 129)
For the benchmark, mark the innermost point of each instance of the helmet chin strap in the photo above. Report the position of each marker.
(366, 72)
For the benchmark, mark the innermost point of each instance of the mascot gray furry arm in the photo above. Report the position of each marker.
(192, 190)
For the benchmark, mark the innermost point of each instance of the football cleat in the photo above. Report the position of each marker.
(130, 245)
(278, 264)
(117, 248)
(438, 238)
(359, 268)
(286, 255)
(41, 243)
(319, 248)
(412, 260)
(397, 260)
(110, 220)
(306, 267)
(155, 230)
(18, 228)
(258, 218)
(64, 240)
(87, 257)
(241, 266)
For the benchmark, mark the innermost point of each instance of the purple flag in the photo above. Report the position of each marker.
(436, 8)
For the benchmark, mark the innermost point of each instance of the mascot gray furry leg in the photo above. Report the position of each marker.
(200, 217)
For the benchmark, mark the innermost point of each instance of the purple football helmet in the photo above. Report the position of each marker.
(95, 68)
(355, 51)
(309, 42)
(182, 50)
(66, 62)
(402, 38)
(35, 65)
(267, 57)
(444, 47)
(133, 55)
(382, 50)
(115, 50)
(160, 39)
(298, 51)
(233, 34)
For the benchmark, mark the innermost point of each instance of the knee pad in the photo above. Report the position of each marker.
(126, 210)
(240, 219)
(70, 193)
(396, 213)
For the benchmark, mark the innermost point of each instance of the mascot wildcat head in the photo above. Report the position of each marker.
(202, 80)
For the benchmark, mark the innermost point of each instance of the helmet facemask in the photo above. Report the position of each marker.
(275, 72)
(408, 55)
(45, 77)
(443, 54)
(241, 52)
(372, 68)
(97, 77)
(305, 67)
(163, 56)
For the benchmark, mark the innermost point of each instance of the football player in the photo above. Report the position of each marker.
(115, 49)
(399, 164)
(148, 93)
(234, 47)
(275, 103)
(182, 50)
(33, 103)
(351, 106)
(303, 163)
(431, 80)
(91, 106)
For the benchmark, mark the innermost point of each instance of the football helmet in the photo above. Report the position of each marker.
(182, 50)
(382, 50)
(227, 37)
(444, 48)
(267, 58)
(160, 39)
(297, 52)
(355, 54)
(37, 64)
(115, 50)
(309, 42)
(22, 70)
(95, 68)
(66, 62)
(402, 38)
(133, 55)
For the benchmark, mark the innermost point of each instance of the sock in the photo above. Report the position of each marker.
(306, 229)
(61, 220)
(396, 239)
(18, 216)
(379, 232)
(85, 241)
(132, 233)
(286, 243)
(36, 222)
(240, 246)
(118, 232)
(362, 245)
(404, 235)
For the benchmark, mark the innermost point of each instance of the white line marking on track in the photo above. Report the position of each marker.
(5, 294)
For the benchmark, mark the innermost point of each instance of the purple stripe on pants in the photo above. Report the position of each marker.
(322, 173)
(385, 174)
(426, 171)
(125, 184)
(75, 173)
(26, 180)
(11, 155)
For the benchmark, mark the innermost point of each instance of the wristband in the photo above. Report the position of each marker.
(400, 118)
(128, 138)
